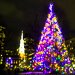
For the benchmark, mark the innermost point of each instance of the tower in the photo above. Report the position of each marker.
(22, 53)
(21, 48)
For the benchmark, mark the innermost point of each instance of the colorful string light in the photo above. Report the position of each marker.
(52, 53)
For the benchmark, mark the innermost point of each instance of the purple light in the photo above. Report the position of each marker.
(9, 60)
(51, 42)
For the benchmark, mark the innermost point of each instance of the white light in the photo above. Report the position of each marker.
(50, 7)
(21, 49)
(24, 60)
(9, 57)
(1, 55)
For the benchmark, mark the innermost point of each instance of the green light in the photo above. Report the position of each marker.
(56, 69)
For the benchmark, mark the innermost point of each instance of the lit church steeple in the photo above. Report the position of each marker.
(21, 48)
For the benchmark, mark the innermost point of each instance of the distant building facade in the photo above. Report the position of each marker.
(29, 46)
(2, 39)
(71, 46)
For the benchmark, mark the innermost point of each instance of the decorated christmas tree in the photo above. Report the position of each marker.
(51, 54)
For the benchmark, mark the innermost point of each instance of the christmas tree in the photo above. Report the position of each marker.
(51, 54)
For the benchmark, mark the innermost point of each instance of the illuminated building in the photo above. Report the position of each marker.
(2, 37)
(71, 46)
(26, 51)
(29, 46)
(11, 59)
(71, 50)
(6, 54)
(21, 48)
(22, 53)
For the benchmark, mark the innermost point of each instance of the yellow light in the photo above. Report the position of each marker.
(40, 42)
(55, 19)
(49, 15)
(35, 64)
(58, 68)
(50, 65)
(48, 29)
(6, 65)
(41, 52)
(15, 67)
(74, 65)
(16, 62)
(56, 65)
(0, 62)
(22, 55)
(70, 41)
(39, 63)
(72, 47)
(31, 54)
(30, 58)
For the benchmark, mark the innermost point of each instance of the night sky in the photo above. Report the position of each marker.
(30, 16)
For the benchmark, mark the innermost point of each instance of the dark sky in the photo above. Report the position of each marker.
(30, 16)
